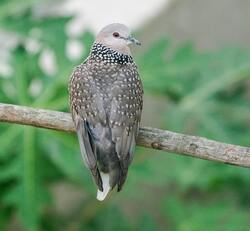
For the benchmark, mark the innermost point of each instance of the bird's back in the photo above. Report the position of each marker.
(106, 104)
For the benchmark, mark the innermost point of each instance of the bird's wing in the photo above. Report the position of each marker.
(87, 111)
(125, 115)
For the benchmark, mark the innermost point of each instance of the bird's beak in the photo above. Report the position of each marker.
(131, 39)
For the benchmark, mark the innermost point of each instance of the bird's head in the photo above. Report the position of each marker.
(117, 37)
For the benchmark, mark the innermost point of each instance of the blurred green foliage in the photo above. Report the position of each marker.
(207, 94)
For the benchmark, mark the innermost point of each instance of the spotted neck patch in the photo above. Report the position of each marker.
(104, 53)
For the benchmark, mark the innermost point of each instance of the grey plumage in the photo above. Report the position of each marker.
(106, 104)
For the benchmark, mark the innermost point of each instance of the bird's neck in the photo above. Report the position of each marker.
(104, 53)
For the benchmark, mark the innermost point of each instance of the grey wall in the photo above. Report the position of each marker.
(210, 23)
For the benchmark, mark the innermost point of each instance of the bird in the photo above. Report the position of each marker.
(106, 100)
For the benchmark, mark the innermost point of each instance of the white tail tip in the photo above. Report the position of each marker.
(106, 187)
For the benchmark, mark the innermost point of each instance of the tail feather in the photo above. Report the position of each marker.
(101, 195)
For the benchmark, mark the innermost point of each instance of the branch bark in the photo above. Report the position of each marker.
(194, 146)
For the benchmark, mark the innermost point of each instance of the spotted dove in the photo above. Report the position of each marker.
(106, 104)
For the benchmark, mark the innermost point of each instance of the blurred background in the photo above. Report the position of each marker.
(195, 67)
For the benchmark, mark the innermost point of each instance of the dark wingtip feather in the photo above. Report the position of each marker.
(122, 178)
(97, 178)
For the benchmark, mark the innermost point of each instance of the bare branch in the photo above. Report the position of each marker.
(148, 137)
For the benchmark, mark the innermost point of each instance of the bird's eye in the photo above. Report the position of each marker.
(116, 34)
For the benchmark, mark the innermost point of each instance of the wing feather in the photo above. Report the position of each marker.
(126, 108)
(86, 110)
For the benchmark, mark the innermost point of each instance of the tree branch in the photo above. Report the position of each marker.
(148, 137)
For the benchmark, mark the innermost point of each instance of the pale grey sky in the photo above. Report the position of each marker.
(96, 13)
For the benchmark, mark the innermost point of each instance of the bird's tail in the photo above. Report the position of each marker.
(101, 195)
(109, 180)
